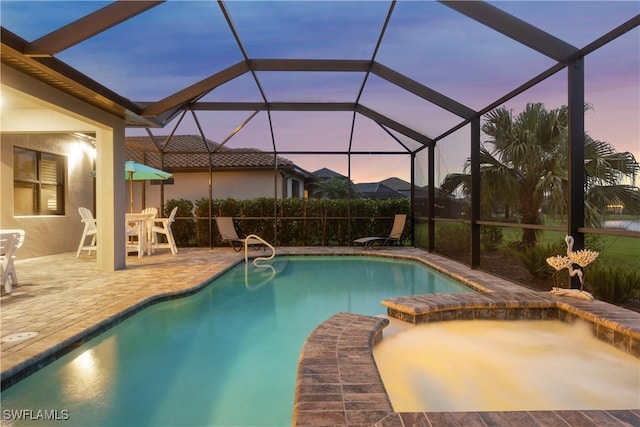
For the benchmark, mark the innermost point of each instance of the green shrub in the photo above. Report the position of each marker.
(490, 237)
(594, 242)
(302, 222)
(535, 259)
(202, 222)
(612, 284)
(453, 239)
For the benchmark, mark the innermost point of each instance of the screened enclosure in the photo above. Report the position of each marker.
(375, 90)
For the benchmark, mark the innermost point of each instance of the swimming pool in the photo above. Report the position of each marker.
(224, 356)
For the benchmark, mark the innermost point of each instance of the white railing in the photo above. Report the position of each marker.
(260, 258)
(255, 261)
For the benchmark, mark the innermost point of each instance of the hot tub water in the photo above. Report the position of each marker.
(482, 365)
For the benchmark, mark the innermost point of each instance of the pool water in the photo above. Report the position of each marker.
(225, 356)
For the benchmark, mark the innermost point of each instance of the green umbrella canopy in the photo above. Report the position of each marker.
(135, 171)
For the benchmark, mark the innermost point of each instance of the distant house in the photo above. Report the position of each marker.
(378, 190)
(325, 173)
(327, 176)
(399, 185)
(445, 206)
(234, 173)
(372, 190)
(394, 187)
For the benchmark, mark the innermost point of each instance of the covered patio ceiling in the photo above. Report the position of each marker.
(263, 58)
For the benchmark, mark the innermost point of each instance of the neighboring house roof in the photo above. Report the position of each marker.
(397, 184)
(325, 173)
(190, 153)
(404, 187)
(377, 190)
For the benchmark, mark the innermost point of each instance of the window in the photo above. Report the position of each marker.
(295, 188)
(38, 182)
(168, 181)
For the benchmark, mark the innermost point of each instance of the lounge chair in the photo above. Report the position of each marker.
(394, 237)
(10, 241)
(90, 230)
(228, 232)
(163, 226)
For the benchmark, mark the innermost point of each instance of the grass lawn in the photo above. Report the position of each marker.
(621, 251)
(616, 250)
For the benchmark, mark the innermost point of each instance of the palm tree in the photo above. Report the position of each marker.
(334, 188)
(524, 165)
(605, 172)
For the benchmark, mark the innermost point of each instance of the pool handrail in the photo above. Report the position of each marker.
(260, 258)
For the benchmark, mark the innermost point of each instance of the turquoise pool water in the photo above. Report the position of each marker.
(225, 356)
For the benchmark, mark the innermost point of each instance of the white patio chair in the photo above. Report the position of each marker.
(163, 226)
(12, 269)
(90, 230)
(10, 241)
(132, 230)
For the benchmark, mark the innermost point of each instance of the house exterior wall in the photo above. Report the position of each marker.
(193, 186)
(47, 126)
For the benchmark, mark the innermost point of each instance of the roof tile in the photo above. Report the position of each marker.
(191, 152)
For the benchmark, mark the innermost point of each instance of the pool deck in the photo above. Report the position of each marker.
(66, 301)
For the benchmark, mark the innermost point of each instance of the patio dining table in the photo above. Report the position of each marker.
(141, 223)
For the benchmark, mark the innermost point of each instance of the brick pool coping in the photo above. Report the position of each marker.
(338, 382)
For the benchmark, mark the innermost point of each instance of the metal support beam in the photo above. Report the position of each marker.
(413, 199)
(88, 26)
(196, 90)
(274, 106)
(335, 65)
(475, 192)
(431, 209)
(392, 124)
(516, 29)
(611, 35)
(422, 91)
(576, 156)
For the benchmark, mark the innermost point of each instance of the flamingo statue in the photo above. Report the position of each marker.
(570, 255)
(569, 241)
(581, 258)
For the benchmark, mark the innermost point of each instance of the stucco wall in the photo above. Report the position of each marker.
(47, 234)
(195, 185)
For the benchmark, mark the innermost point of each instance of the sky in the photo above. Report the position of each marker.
(179, 43)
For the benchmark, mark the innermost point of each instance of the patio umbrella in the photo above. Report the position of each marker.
(135, 171)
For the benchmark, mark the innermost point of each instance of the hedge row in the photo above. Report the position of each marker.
(300, 222)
